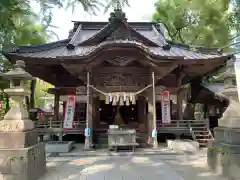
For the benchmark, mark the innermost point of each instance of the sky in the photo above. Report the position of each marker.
(138, 11)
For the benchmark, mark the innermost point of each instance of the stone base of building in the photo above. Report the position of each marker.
(224, 153)
(23, 163)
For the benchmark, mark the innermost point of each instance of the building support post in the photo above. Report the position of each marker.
(180, 105)
(155, 142)
(142, 113)
(56, 113)
(88, 139)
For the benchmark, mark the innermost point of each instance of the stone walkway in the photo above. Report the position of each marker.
(130, 167)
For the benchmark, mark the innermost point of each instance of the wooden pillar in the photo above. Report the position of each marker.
(89, 115)
(56, 113)
(150, 116)
(32, 95)
(56, 106)
(96, 116)
(142, 113)
(180, 94)
(180, 105)
(155, 142)
(152, 119)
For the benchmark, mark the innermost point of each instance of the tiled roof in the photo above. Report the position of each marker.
(63, 51)
(87, 30)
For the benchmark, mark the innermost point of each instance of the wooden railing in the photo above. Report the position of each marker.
(173, 127)
(54, 127)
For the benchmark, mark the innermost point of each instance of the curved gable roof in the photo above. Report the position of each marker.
(88, 37)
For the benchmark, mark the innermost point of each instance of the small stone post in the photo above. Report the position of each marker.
(224, 153)
(21, 156)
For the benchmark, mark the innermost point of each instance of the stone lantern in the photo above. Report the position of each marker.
(21, 156)
(224, 152)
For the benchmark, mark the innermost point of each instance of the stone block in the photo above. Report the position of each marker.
(16, 125)
(227, 135)
(183, 145)
(58, 146)
(18, 139)
(224, 159)
(23, 163)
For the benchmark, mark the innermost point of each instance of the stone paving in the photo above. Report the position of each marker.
(130, 167)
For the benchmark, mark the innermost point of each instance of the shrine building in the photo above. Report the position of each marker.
(127, 74)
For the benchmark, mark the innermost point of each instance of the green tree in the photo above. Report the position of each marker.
(17, 26)
(207, 23)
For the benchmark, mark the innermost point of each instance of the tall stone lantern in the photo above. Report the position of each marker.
(224, 152)
(21, 156)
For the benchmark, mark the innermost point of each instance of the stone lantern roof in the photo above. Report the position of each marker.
(18, 72)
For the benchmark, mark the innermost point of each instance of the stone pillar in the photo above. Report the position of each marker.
(21, 156)
(89, 114)
(224, 152)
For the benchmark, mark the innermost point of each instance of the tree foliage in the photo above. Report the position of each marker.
(206, 23)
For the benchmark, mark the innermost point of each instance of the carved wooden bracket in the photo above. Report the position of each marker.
(121, 61)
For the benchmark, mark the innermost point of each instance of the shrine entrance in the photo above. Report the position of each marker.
(128, 113)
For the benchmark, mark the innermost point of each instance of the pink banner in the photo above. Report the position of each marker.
(69, 112)
(165, 102)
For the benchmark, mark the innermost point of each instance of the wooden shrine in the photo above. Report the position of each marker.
(120, 68)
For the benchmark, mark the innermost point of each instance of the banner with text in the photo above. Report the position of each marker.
(165, 102)
(69, 112)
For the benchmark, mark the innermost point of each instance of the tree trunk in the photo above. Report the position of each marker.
(32, 95)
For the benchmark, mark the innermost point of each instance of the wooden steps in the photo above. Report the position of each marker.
(200, 132)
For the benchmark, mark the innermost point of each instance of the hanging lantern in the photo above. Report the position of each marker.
(121, 102)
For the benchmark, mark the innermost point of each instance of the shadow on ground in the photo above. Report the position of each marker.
(152, 167)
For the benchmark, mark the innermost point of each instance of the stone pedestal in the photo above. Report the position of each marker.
(27, 163)
(224, 153)
(21, 156)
